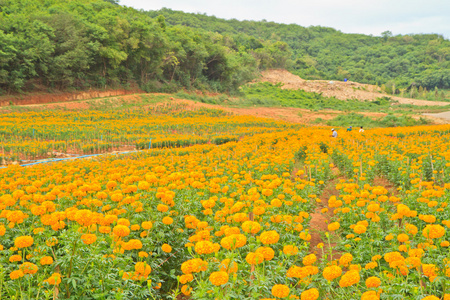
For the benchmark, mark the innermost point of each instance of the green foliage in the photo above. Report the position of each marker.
(354, 119)
(301, 154)
(323, 147)
(325, 53)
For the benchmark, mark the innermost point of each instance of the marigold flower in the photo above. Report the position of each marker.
(218, 278)
(267, 252)
(350, 278)
(345, 259)
(254, 258)
(370, 295)
(311, 294)
(269, 237)
(331, 272)
(28, 268)
(290, 250)
(185, 278)
(373, 282)
(430, 298)
(16, 274)
(88, 238)
(15, 258)
(147, 225)
(280, 291)
(309, 259)
(251, 227)
(55, 279)
(143, 269)
(121, 230)
(225, 266)
(333, 226)
(166, 248)
(433, 231)
(167, 220)
(23, 241)
(46, 260)
(402, 238)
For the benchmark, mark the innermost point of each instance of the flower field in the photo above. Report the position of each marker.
(228, 220)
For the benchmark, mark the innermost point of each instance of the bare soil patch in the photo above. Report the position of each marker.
(339, 89)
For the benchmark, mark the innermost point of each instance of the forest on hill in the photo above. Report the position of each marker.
(80, 44)
(55, 44)
(399, 61)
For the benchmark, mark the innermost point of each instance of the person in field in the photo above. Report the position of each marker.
(361, 129)
(334, 133)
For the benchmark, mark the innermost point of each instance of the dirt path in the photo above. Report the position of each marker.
(444, 116)
(320, 220)
(339, 89)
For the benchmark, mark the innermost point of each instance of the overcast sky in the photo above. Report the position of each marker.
(350, 16)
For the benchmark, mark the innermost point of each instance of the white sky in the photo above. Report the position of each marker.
(350, 16)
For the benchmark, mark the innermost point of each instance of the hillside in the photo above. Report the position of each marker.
(324, 53)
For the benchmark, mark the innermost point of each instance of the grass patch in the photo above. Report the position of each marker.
(357, 120)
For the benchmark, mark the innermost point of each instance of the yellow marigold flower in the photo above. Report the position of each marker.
(371, 265)
(333, 226)
(389, 237)
(251, 227)
(88, 238)
(345, 259)
(46, 260)
(311, 294)
(331, 272)
(167, 220)
(23, 241)
(193, 266)
(350, 278)
(185, 278)
(359, 229)
(373, 282)
(55, 279)
(254, 258)
(15, 258)
(433, 231)
(370, 295)
(147, 225)
(186, 290)
(218, 278)
(233, 241)
(280, 291)
(267, 252)
(16, 274)
(28, 268)
(290, 250)
(143, 269)
(402, 238)
(143, 254)
(166, 248)
(269, 237)
(445, 244)
(225, 266)
(121, 230)
(309, 259)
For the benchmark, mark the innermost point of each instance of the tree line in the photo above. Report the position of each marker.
(78, 44)
(401, 61)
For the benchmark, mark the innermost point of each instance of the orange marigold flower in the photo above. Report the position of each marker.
(121, 230)
(269, 237)
(402, 238)
(28, 268)
(46, 260)
(16, 274)
(370, 295)
(55, 279)
(333, 226)
(350, 278)
(430, 298)
(254, 258)
(311, 294)
(433, 231)
(23, 241)
(166, 248)
(309, 259)
(345, 259)
(88, 238)
(373, 282)
(332, 272)
(267, 252)
(147, 225)
(251, 227)
(280, 291)
(167, 220)
(290, 250)
(15, 258)
(359, 229)
(143, 269)
(218, 278)
(186, 278)
(225, 266)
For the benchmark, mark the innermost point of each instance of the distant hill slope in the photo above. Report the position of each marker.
(325, 53)
(338, 89)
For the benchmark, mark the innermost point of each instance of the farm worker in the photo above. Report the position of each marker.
(361, 129)
(349, 129)
(333, 133)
